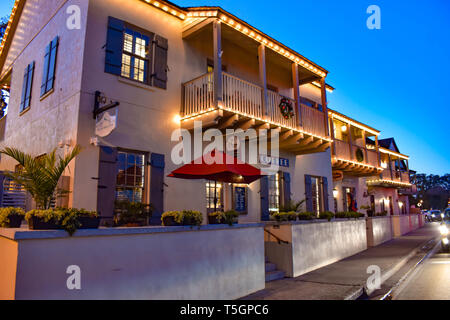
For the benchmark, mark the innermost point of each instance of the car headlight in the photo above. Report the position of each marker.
(433, 215)
(445, 241)
(443, 229)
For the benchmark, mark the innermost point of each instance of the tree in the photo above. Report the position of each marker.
(3, 24)
(433, 190)
(40, 176)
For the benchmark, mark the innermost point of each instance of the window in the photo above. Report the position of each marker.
(310, 103)
(26, 87)
(48, 74)
(317, 195)
(130, 176)
(213, 196)
(135, 55)
(274, 192)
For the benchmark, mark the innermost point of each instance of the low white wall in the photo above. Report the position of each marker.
(379, 230)
(400, 225)
(319, 243)
(414, 222)
(213, 262)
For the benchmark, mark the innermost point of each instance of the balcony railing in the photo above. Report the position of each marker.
(344, 152)
(246, 98)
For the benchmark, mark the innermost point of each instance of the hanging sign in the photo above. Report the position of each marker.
(106, 122)
(267, 160)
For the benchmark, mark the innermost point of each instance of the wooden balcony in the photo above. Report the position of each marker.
(241, 105)
(396, 179)
(345, 159)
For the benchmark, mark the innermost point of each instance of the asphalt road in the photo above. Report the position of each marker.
(429, 281)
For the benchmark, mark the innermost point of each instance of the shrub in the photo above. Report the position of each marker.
(5, 213)
(189, 218)
(349, 215)
(284, 216)
(381, 214)
(306, 216)
(326, 215)
(292, 206)
(132, 212)
(67, 219)
(230, 217)
(174, 214)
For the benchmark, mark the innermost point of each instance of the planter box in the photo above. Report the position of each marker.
(170, 221)
(89, 222)
(213, 220)
(36, 223)
(14, 221)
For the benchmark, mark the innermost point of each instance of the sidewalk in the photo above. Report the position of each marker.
(346, 279)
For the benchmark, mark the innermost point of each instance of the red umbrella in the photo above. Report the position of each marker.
(218, 166)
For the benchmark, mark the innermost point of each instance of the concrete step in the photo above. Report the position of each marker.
(270, 267)
(274, 275)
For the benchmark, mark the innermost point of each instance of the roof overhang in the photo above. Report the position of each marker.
(336, 115)
(393, 153)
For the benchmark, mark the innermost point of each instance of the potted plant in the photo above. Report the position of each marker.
(11, 217)
(284, 216)
(170, 218)
(217, 217)
(88, 219)
(190, 218)
(132, 214)
(230, 217)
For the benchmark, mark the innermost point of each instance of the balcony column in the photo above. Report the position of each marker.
(366, 155)
(324, 104)
(377, 148)
(390, 167)
(217, 40)
(296, 87)
(350, 141)
(263, 78)
(333, 145)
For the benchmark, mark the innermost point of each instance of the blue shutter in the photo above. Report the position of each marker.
(114, 44)
(264, 193)
(107, 176)
(325, 193)
(286, 188)
(308, 193)
(159, 76)
(52, 64)
(27, 86)
(157, 187)
(45, 70)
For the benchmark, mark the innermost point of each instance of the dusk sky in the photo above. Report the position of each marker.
(394, 79)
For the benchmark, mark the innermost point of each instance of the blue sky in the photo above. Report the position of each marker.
(394, 79)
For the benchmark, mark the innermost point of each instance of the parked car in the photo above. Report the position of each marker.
(435, 215)
(445, 237)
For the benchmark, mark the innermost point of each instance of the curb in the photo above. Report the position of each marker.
(364, 291)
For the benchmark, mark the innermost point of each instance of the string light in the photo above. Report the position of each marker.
(380, 181)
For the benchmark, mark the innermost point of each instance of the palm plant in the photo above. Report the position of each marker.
(40, 176)
(292, 206)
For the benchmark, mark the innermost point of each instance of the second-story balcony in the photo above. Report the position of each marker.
(242, 106)
(350, 152)
(248, 78)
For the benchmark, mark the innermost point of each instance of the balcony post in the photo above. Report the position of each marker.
(217, 39)
(263, 78)
(377, 148)
(324, 104)
(296, 87)
(390, 167)
(350, 141)
(366, 155)
(333, 145)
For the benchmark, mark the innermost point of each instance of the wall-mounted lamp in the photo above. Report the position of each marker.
(335, 193)
(384, 165)
(344, 128)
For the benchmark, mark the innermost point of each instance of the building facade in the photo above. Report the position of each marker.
(158, 68)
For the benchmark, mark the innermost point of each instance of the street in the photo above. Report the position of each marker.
(430, 280)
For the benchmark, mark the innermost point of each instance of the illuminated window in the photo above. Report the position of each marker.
(213, 196)
(135, 55)
(130, 177)
(317, 195)
(274, 192)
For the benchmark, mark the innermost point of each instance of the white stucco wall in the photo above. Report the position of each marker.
(379, 230)
(316, 244)
(138, 263)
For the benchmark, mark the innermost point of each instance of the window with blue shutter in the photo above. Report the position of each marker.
(48, 74)
(26, 87)
(136, 54)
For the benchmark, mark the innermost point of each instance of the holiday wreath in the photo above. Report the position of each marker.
(286, 108)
